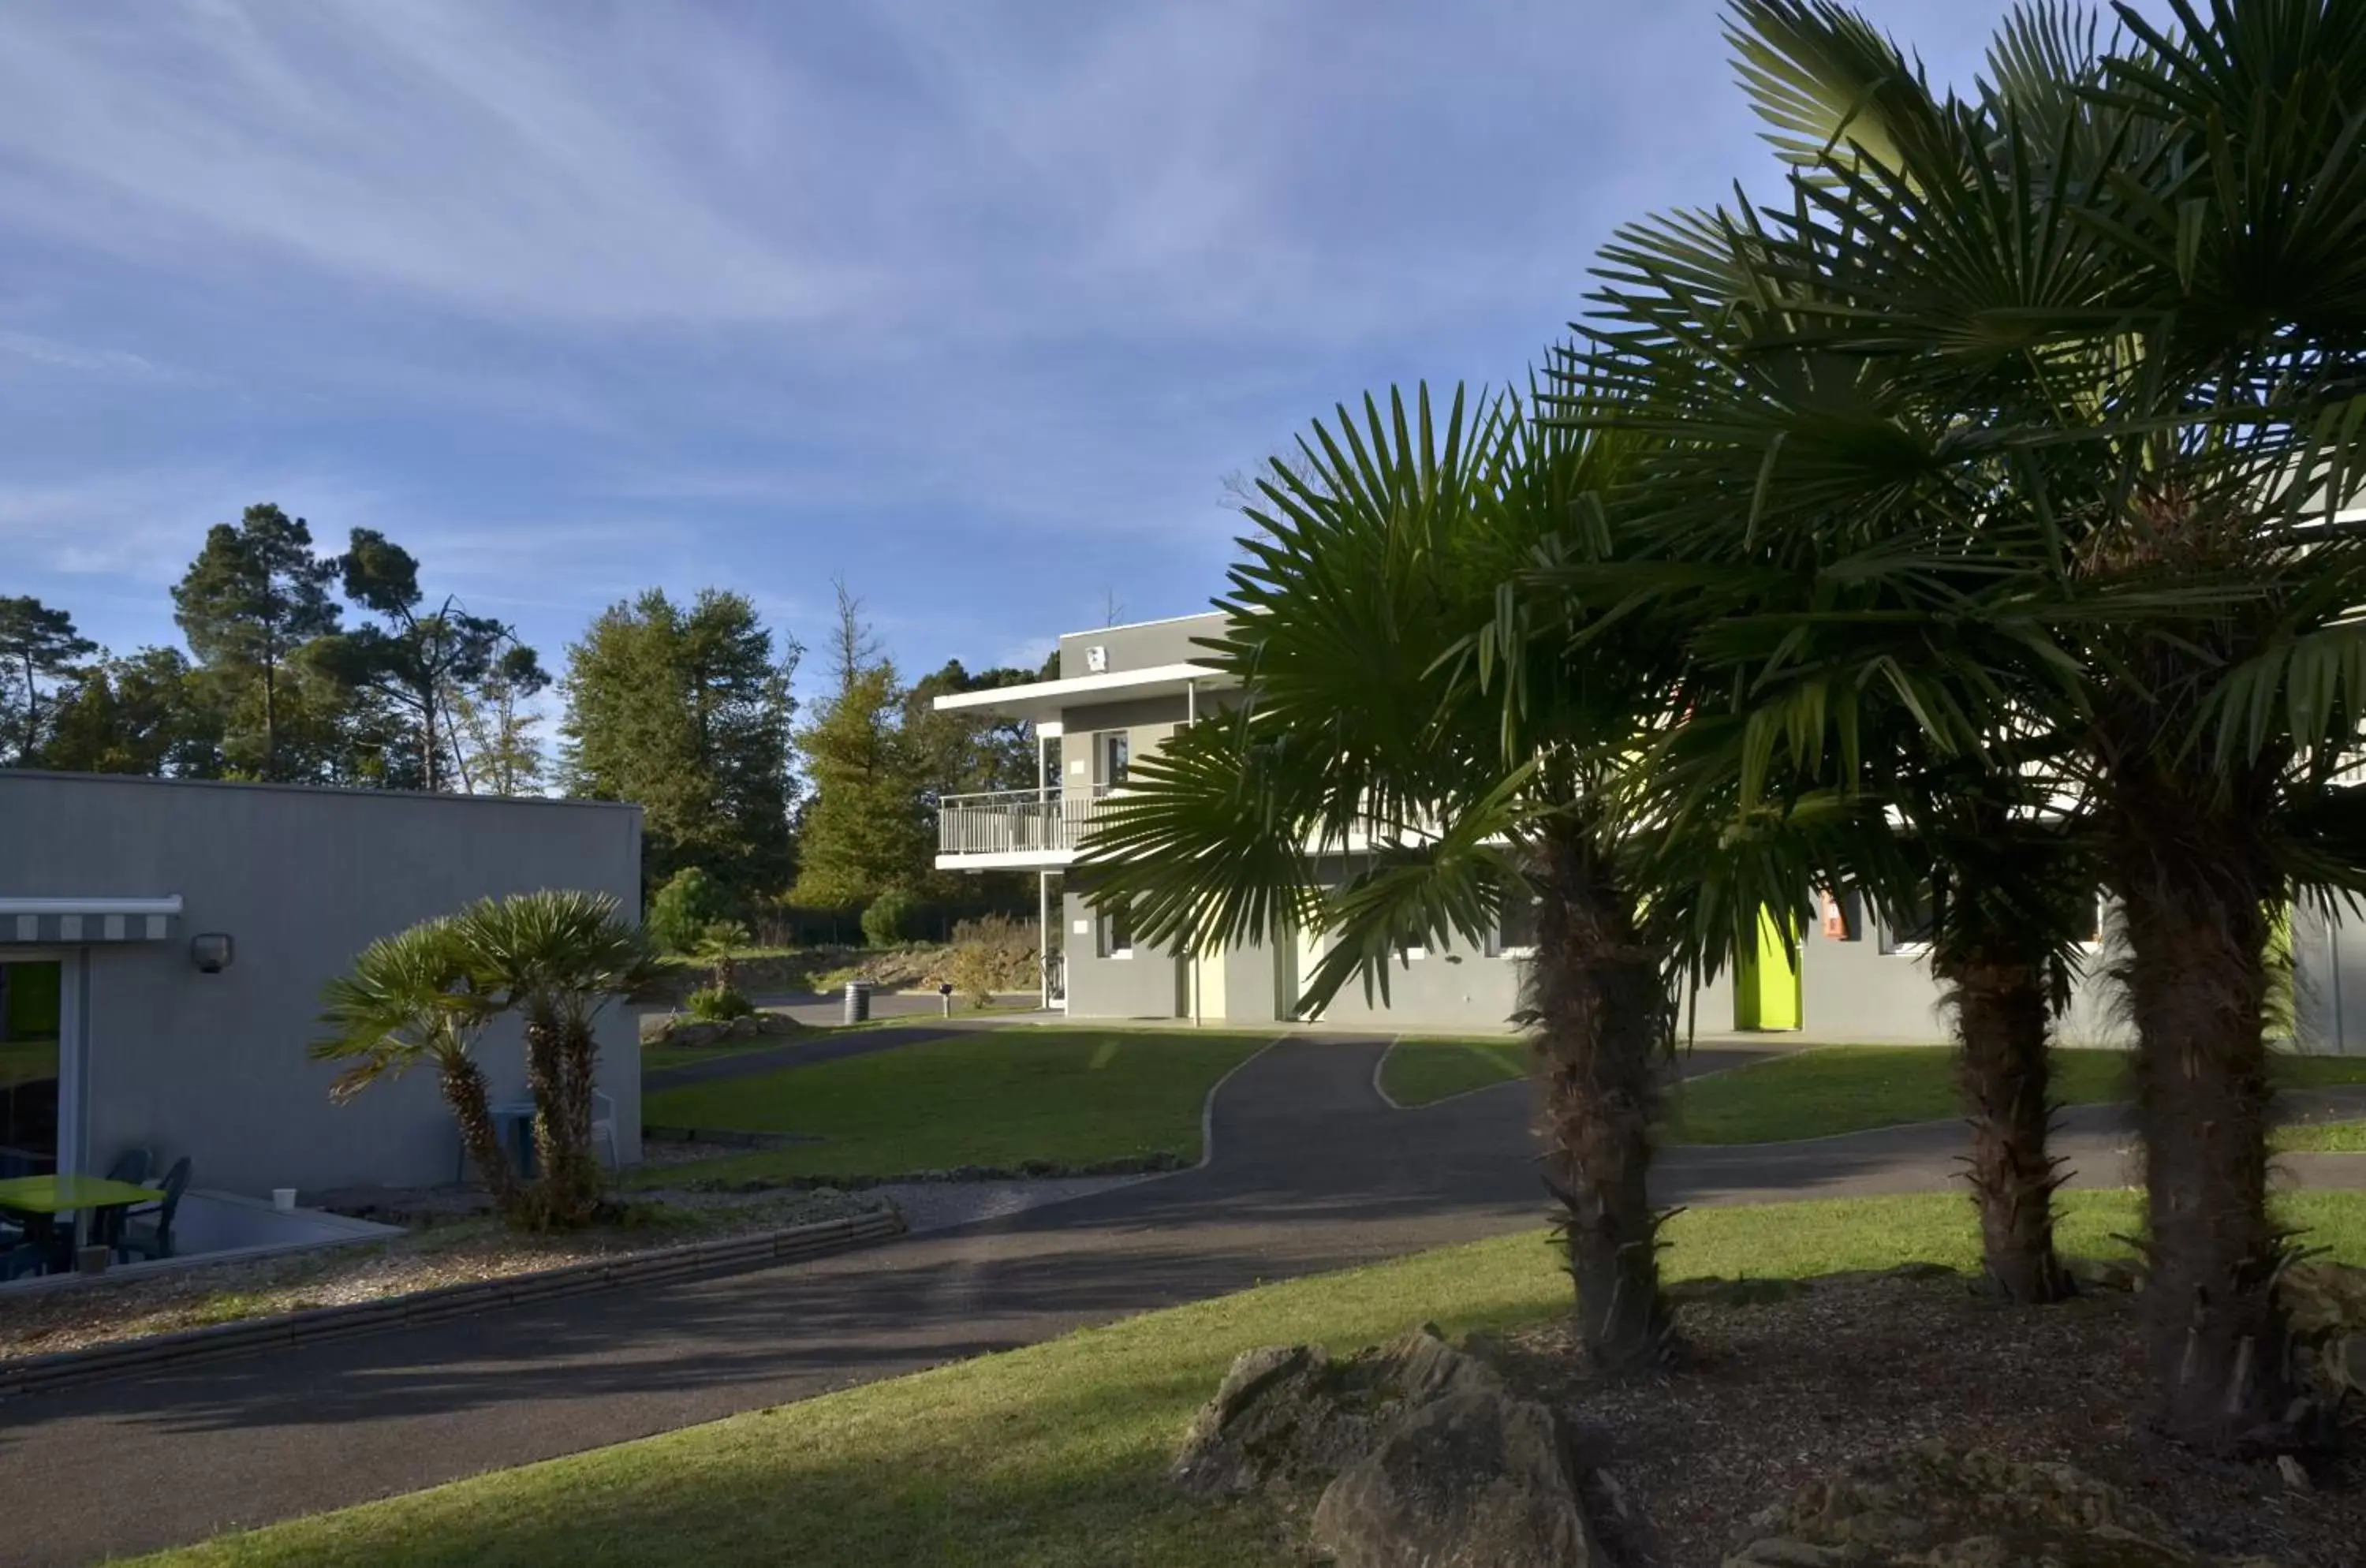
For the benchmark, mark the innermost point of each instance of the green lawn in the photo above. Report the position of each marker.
(998, 1097)
(1054, 1456)
(1421, 1072)
(1847, 1088)
(2323, 1137)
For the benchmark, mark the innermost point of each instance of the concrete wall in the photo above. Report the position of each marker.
(1145, 986)
(1144, 646)
(1454, 987)
(214, 1065)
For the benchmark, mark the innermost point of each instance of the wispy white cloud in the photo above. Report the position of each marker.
(970, 299)
(50, 354)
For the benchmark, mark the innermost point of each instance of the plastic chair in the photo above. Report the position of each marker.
(133, 1166)
(17, 1261)
(155, 1240)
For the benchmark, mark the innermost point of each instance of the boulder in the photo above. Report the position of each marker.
(1293, 1414)
(1472, 1478)
(2325, 1298)
(1935, 1505)
(2097, 1276)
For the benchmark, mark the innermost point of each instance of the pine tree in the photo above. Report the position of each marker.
(686, 711)
(39, 645)
(867, 828)
(254, 597)
(417, 663)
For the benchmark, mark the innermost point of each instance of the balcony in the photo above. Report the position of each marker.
(1014, 827)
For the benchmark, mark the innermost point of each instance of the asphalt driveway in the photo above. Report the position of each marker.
(1310, 1171)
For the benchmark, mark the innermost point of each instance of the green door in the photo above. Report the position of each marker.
(1766, 983)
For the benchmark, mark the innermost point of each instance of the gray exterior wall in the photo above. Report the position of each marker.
(1456, 986)
(1145, 646)
(214, 1065)
(1145, 986)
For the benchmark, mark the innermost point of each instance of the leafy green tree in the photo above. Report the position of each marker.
(557, 959)
(255, 595)
(2045, 403)
(410, 999)
(867, 828)
(38, 648)
(494, 737)
(418, 662)
(149, 714)
(961, 753)
(686, 711)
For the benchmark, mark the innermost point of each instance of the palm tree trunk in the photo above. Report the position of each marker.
(2002, 1019)
(578, 1062)
(465, 1092)
(1602, 1015)
(558, 1133)
(2195, 894)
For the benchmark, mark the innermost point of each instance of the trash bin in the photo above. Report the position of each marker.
(858, 1001)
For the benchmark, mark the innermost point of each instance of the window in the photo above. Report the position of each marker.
(1114, 755)
(32, 1003)
(1515, 929)
(1908, 930)
(1116, 939)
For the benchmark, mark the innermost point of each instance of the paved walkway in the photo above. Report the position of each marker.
(1310, 1171)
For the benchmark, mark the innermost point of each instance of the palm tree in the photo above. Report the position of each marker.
(556, 958)
(2037, 409)
(1415, 753)
(409, 1000)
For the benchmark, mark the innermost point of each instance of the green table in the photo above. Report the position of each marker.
(65, 1194)
(43, 1199)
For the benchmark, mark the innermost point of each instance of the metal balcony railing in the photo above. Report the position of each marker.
(1016, 821)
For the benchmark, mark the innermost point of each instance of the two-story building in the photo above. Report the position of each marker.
(1123, 691)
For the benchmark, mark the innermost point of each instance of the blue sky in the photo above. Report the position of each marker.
(972, 302)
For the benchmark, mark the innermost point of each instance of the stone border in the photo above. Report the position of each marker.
(66, 1369)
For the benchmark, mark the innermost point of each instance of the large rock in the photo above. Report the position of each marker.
(2325, 1298)
(1937, 1506)
(1292, 1414)
(1474, 1478)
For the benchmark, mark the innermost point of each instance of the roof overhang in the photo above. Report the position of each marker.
(71, 921)
(1041, 699)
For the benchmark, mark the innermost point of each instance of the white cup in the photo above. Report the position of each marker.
(284, 1200)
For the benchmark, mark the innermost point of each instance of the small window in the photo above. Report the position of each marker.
(1115, 753)
(1515, 929)
(1908, 930)
(1116, 932)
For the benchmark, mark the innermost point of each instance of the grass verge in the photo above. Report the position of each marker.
(1422, 1072)
(1848, 1089)
(1000, 1097)
(1054, 1456)
(2323, 1138)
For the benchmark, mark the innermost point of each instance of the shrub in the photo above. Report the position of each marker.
(689, 903)
(995, 954)
(889, 918)
(718, 1004)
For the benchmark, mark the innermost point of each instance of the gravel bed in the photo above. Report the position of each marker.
(446, 1252)
(941, 1206)
(1775, 1394)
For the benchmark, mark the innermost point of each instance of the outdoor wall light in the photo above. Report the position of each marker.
(210, 952)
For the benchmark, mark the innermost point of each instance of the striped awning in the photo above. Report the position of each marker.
(55, 922)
